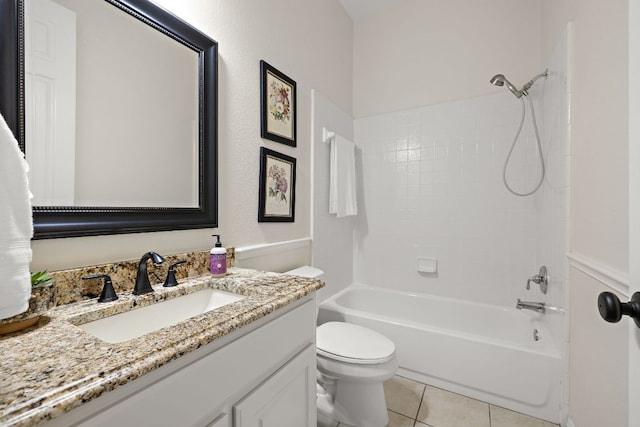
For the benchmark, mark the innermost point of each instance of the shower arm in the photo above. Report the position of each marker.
(530, 83)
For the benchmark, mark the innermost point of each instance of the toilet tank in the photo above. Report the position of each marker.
(312, 273)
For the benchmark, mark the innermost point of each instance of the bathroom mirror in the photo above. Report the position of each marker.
(114, 104)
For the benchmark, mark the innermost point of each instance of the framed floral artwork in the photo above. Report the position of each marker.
(277, 191)
(277, 106)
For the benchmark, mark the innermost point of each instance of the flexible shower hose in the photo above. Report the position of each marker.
(513, 145)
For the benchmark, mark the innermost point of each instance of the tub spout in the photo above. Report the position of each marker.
(535, 306)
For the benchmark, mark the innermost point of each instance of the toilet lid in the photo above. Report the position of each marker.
(352, 343)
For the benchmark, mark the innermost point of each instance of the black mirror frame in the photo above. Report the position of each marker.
(73, 221)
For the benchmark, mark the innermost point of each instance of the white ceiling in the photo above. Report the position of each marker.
(360, 9)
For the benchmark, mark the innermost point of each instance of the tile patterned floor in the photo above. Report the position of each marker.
(413, 404)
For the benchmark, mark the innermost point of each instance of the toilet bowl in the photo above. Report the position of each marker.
(352, 362)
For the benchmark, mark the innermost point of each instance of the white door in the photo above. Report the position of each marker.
(50, 101)
(286, 399)
(634, 205)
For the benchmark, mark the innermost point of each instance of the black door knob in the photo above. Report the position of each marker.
(612, 310)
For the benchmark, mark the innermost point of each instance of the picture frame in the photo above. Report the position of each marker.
(278, 105)
(277, 189)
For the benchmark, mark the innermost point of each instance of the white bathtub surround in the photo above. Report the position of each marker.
(433, 190)
(17, 230)
(552, 201)
(479, 350)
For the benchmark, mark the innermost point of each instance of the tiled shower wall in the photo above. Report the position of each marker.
(433, 189)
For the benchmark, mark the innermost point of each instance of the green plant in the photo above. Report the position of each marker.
(40, 278)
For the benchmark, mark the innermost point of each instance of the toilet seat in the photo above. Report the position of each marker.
(350, 343)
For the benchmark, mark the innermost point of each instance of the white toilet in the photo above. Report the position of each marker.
(353, 362)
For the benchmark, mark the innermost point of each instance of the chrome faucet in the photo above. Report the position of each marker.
(534, 306)
(143, 286)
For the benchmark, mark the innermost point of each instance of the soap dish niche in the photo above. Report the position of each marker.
(427, 265)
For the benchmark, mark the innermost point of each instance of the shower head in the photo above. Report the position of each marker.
(497, 80)
(501, 80)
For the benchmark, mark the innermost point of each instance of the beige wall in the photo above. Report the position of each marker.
(599, 355)
(599, 218)
(599, 201)
(427, 51)
(308, 40)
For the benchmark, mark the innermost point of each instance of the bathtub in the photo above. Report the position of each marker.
(482, 351)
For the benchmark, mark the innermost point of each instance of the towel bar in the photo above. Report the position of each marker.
(327, 135)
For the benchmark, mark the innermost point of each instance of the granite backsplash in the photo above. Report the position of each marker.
(70, 287)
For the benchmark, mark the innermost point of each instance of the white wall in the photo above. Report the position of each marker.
(599, 202)
(292, 36)
(332, 245)
(428, 51)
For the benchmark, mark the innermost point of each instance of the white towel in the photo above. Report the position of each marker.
(342, 181)
(16, 226)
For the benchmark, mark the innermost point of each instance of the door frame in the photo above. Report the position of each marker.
(634, 205)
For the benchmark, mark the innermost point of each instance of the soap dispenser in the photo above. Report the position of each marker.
(218, 259)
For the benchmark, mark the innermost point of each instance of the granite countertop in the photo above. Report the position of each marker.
(57, 366)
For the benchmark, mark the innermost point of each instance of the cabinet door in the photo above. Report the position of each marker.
(286, 399)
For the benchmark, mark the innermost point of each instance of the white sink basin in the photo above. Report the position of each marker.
(141, 321)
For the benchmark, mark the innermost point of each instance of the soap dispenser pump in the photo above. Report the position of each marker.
(218, 259)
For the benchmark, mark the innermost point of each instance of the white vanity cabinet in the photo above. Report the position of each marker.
(260, 375)
(286, 399)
